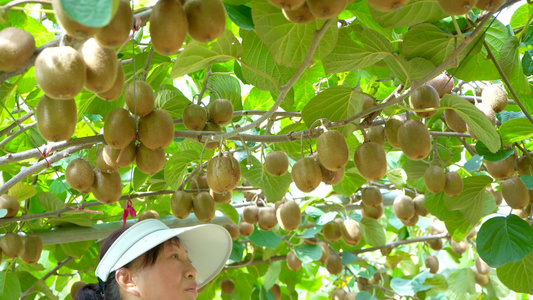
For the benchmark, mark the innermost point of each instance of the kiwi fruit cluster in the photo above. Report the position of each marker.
(288, 215)
(11, 204)
(28, 248)
(404, 209)
(16, 48)
(305, 11)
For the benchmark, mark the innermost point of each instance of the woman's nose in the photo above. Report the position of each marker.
(191, 271)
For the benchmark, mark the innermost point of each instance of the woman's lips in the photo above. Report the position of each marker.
(193, 288)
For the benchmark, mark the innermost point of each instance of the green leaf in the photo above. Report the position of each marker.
(265, 239)
(476, 120)
(272, 274)
(76, 249)
(197, 56)
(92, 13)
(499, 155)
(365, 296)
(501, 240)
(171, 100)
(22, 191)
(304, 88)
(226, 87)
(462, 282)
(289, 42)
(518, 276)
(9, 286)
(516, 130)
(438, 281)
(350, 183)
(373, 232)
(258, 100)
(348, 257)
(273, 187)
(80, 220)
(476, 67)
(398, 177)
(471, 200)
(527, 63)
(510, 63)
(407, 287)
(50, 202)
(229, 211)
(326, 218)
(474, 163)
(308, 253)
(41, 287)
(412, 13)
(528, 181)
(429, 42)
(176, 167)
(240, 15)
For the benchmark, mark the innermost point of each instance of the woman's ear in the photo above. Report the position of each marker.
(124, 278)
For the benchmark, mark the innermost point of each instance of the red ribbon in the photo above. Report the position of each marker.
(128, 210)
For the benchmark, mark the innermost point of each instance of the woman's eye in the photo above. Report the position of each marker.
(176, 256)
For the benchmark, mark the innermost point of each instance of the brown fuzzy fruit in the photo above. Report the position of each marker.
(56, 119)
(198, 182)
(276, 163)
(207, 19)
(203, 206)
(524, 166)
(246, 229)
(490, 5)
(210, 126)
(117, 31)
(306, 174)
(156, 130)
(276, 291)
(488, 112)
(325, 252)
(437, 227)
(338, 294)
(434, 179)
(181, 204)
(293, 262)
(194, 117)
(267, 218)
(414, 139)
(149, 161)
(331, 231)
(376, 134)
(453, 185)
(351, 232)
(387, 5)
(494, 95)
(80, 175)
(481, 279)
(11, 245)
(168, 26)
(403, 207)
(221, 111)
(227, 286)
(233, 230)
(300, 15)
(11, 204)
(16, 48)
(288, 215)
(454, 121)
(420, 208)
(370, 161)
(101, 66)
(332, 150)
(459, 247)
(101, 163)
(118, 85)
(221, 198)
(76, 287)
(119, 128)
(515, 193)
(481, 266)
(250, 214)
(119, 158)
(139, 98)
(435, 244)
(107, 187)
(73, 28)
(334, 265)
(223, 173)
(424, 97)
(411, 222)
(373, 212)
(501, 169)
(148, 214)
(287, 4)
(350, 296)
(391, 129)
(324, 10)
(32, 246)
(371, 196)
(443, 84)
(457, 7)
(331, 177)
(432, 263)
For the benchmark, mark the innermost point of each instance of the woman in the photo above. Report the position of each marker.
(151, 261)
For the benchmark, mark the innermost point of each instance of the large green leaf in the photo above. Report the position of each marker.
(265, 239)
(273, 187)
(76, 249)
(9, 286)
(308, 253)
(461, 283)
(406, 287)
(50, 202)
(412, 13)
(176, 167)
(92, 13)
(373, 232)
(471, 200)
(476, 120)
(350, 183)
(501, 240)
(518, 276)
(429, 42)
(511, 66)
(22, 191)
(272, 274)
(516, 130)
(229, 211)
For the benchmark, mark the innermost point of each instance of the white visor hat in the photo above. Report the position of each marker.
(208, 247)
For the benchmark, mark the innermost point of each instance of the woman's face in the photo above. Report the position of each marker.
(171, 277)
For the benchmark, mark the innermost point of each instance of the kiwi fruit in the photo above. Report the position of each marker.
(338, 294)
(332, 150)
(32, 246)
(293, 262)
(443, 84)
(300, 15)
(374, 212)
(306, 174)
(498, 198)
(181, 204)
(168, 26)
(454, 121)
(16, 48)
(118, 85)
(403, 207)
(494, 96)
(119, 158)
(363, 284)
(223, 173)
(371, 196)
(198, 182)
(520, 213)
(420, 208)
(60, 72)
(101, 66)
(414, 139)
(331, 177)
(459, 247)
(56, 119)
(287, 4)
(481, 279)
(102, 165)
(227, 286)
(148, 214)
(246, 229)
(11, 245)
(288, 215)
(331, 231)
(250, 214)
(267, 218)
(325, 252)
(221, 111)
(481, 266)
(386, 5)
(156, 130)
(207, 19)
(351, 232)
(437, 227)
(76, 287)
(491, 5)
(501, 169)
(435, 244)
(334, 265)
(11, 204)
(515, 193)
(453, 185)
(210, 126)
(434, 179)
(203, 206)
(324, 10)
(80, 175)
(488, 112)
(376, 134)
(221, 198)
(457, 7)
(391, 129)
(524, 166)
(107, 187)
(119, 128)
(410, 222)
(424, 97)
(194, 117)
(276, 292)
(233, 230)
(73, 28)
(117, 31)
(149, 161)
(370, 161)
(350, 296)
(139, 98)
(277, 163)
(432, 263)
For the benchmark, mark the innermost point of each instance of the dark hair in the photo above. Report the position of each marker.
(112, 290)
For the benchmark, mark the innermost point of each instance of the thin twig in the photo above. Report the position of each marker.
(16, 123)
(47, 275)
(204, 87)
(11, 4)
(14, 135)
(147, 65)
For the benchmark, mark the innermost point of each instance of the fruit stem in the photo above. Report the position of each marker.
(204, 87)
(458, 29)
